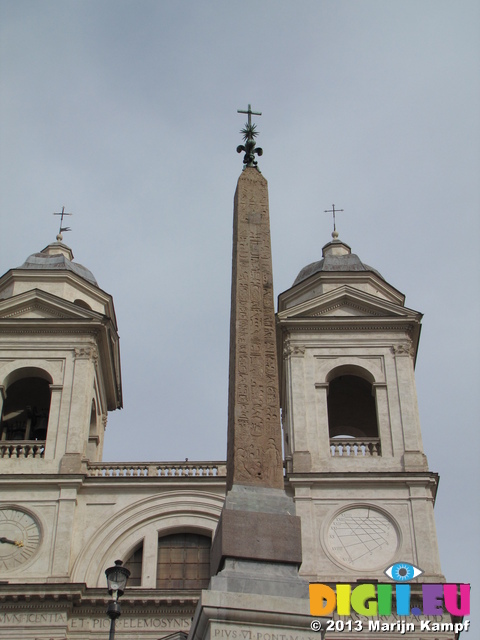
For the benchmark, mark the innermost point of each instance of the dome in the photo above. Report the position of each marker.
(57, 256)
(337, 256)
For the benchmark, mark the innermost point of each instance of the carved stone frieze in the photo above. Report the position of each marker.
(293, 350)
(88, 352)
(404, 349)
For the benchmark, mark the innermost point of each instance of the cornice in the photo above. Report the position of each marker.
(329, 324)
(34, 307)
(370, 479)
(90, 331)
(41, 596)
(370, 476)
(340, 304)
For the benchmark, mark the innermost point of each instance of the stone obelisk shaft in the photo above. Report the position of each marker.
(254, 450)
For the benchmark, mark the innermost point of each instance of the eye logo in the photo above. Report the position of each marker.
(403, 572)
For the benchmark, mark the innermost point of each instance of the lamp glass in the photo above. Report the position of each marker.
(117, 577)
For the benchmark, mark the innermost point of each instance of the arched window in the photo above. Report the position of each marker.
(26, 409)
(351, 408)
(183, 561)
(134, 565)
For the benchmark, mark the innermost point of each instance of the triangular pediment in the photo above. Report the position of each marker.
(40, 305)
(345, 302)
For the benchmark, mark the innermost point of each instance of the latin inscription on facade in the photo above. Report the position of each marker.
(55, 625)
(251, 632)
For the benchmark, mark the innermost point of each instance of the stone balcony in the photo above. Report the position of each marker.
(355, 447)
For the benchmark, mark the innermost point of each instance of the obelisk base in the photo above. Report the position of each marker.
(245, 616)
(257, 545)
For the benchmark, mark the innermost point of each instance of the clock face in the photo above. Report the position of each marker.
(19, 537)
(362, 538)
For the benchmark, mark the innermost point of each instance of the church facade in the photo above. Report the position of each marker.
(354, 463)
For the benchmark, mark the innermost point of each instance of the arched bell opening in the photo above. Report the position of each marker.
(26, 407)
(352, 416)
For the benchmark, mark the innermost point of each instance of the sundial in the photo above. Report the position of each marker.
(362, 538)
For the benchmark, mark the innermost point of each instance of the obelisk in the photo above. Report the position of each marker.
(258, 527)
(255, 590)
(254, 446)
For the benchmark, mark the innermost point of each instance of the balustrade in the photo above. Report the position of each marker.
(156, 469)
(359, 447)
(22, 449)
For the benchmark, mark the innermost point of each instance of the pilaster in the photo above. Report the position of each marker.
(53, 421)
(63, 533)
(82, 390)
(414, 458)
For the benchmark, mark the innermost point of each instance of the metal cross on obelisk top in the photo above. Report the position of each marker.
(250, 113)
(62, 214)
(249, 133)
(334, 211)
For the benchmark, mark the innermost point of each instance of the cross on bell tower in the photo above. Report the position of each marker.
(333, 211)
(62, 214)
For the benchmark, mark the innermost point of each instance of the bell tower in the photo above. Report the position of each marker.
(352, 434)
(60, 364)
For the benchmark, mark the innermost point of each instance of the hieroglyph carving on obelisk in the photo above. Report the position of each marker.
(254, 455)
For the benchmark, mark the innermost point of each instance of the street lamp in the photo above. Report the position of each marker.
(117, 577)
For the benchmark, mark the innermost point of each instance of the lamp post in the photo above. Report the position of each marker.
(117, 577)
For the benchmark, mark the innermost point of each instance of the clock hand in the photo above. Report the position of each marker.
(17, 543)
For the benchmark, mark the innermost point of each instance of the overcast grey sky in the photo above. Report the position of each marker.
(125, 112)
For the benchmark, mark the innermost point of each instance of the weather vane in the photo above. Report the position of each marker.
(334, 211)
(62, 214)
(249, 133)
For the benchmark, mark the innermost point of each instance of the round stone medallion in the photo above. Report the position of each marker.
(362, 538)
